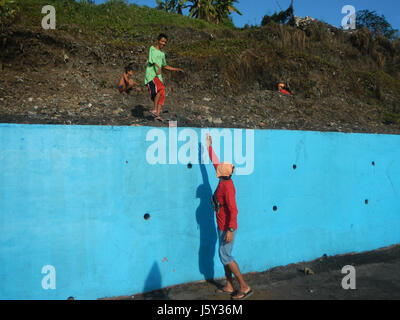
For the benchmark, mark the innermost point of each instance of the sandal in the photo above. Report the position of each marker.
(242, 295)
(222, 291)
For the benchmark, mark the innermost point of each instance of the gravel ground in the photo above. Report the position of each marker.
(377, 278)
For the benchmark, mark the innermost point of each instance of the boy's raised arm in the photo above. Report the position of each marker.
(213, 157)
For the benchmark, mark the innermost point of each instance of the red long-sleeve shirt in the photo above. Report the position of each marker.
(226, 196)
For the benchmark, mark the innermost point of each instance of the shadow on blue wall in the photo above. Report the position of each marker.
(153, 284)
(206, 222)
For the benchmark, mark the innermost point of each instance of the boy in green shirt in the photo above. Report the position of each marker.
(153, 78)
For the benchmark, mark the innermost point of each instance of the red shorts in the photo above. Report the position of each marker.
(154, 87)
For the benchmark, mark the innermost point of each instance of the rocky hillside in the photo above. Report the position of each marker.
(340, 81)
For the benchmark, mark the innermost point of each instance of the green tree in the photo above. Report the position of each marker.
(224, 8)
(180, 6)
(173, 6)
(8, 13)
(378, 25)
(282, 17)
(213, 11)
(202, 9)
(164, 5)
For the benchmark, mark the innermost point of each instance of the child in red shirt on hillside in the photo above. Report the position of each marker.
(281, 88)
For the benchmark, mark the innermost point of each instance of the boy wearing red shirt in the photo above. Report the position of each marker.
(227, 225)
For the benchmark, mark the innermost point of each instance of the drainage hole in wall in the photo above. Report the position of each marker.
(146, 216)
(294, 167)
(373, 163)
(366, 201)
(70, 298)
(274, 208)
(189, 166)
(126, 161)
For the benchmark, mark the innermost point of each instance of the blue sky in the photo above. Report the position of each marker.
(329, 11)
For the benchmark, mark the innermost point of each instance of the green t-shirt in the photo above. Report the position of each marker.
(158, 57)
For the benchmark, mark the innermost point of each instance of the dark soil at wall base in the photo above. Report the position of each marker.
(377, 277)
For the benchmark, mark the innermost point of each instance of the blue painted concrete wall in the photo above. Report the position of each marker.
(74, 197)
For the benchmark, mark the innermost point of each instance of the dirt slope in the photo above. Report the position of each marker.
(55, 77)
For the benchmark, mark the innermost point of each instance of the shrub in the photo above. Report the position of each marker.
(8, 13)
(378, 25)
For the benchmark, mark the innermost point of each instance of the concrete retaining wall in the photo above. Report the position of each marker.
(74, 198)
